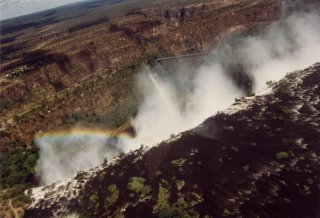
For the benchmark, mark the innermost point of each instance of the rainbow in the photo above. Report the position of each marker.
(74, 139)
(81, 131)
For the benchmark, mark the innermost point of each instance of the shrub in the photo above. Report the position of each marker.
(282, 155)
(136, 184)
(17, 166)
(179, 162)
(94, 198)
(180, 184)
(113, 197)
(246, 167)
(163, 200)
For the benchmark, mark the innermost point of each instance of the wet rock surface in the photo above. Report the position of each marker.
(259, 158)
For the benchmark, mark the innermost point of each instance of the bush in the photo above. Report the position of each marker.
(113, 197)
(84, 215)
(282, 155)
(136, 184)
(179, 162)
(17, 166)
(163, 200)
(16, 193)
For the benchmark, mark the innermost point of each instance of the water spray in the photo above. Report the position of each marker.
(162, 93)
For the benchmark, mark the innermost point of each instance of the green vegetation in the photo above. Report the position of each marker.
(16, 193)
(168, 212)
(85, 215)
(180, 184)
(163, 199)
(287, 110)
(282, 155)
(226, 212)
(113, 197)
(113, 188)
(137, 185)
(180, 208)
(17, 166)
(16, 171)
(179, 162)
(94, 202)
(246, 168)
(94, 198)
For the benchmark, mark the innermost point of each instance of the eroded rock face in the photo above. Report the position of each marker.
(258, 158)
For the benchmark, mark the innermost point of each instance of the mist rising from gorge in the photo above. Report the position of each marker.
(184, 102)
(286, 45)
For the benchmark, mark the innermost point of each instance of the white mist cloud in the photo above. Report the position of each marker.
(285, 46)
(159, 117)
(62, 156)
(187, 100)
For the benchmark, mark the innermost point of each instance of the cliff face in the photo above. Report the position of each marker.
(258, 158)
(47, 64)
